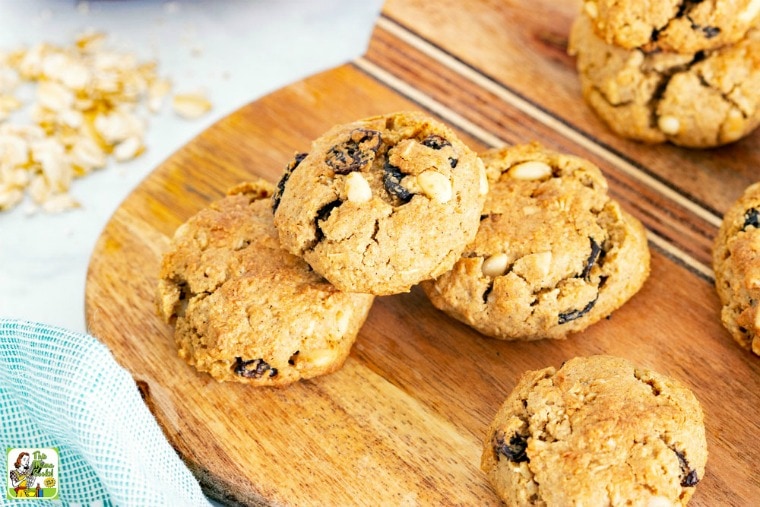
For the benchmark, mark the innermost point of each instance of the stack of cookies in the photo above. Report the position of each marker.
(272, 284)
(518, 242)
(685, 72)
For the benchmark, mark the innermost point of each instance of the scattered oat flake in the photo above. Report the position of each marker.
(90, 40)
(157, 92)
(59, 202)
(90, 106)
(10, 197)
(128, 149)
(8, 79)
(191, 105)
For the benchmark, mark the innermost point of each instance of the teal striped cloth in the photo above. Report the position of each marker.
(64, 390)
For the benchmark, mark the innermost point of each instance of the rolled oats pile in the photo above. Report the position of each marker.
(88, 107)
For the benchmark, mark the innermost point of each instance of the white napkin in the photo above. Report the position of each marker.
(64, 390)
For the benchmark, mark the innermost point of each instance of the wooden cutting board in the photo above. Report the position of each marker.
(401, 423)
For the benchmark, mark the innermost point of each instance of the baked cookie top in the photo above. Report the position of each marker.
(382, 203)
(246, 310)
(736, 262)
(597, 431)
(553, 253)
(698, 100)
(672, 25)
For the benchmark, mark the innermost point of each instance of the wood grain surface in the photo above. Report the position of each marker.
(402, 422)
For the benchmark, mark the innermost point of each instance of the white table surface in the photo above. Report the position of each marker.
(235, 50)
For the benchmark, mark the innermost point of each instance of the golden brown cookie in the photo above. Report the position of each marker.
(681, 26)
(697, 100)
(553, 254)
(736, 262)
(246, 310)
(597, 431)
(382, 203)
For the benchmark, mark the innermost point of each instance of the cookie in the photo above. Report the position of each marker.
(597, 431)
(672, 25)
(379, 204)
(244, 309)
(736, 262)
(698, 100)
(553, 254)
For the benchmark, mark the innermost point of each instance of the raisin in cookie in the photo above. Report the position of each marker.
(681, 26)
(598, 431)
(553, 253)
(246, 310)
(380, 204)
(736, 261)
(698, 100)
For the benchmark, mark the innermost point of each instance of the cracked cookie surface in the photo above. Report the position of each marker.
(681, 26)
(380, 204)
(246, 310)
(597, 431)
(736, 262)
(553, 254)
(697, 100)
